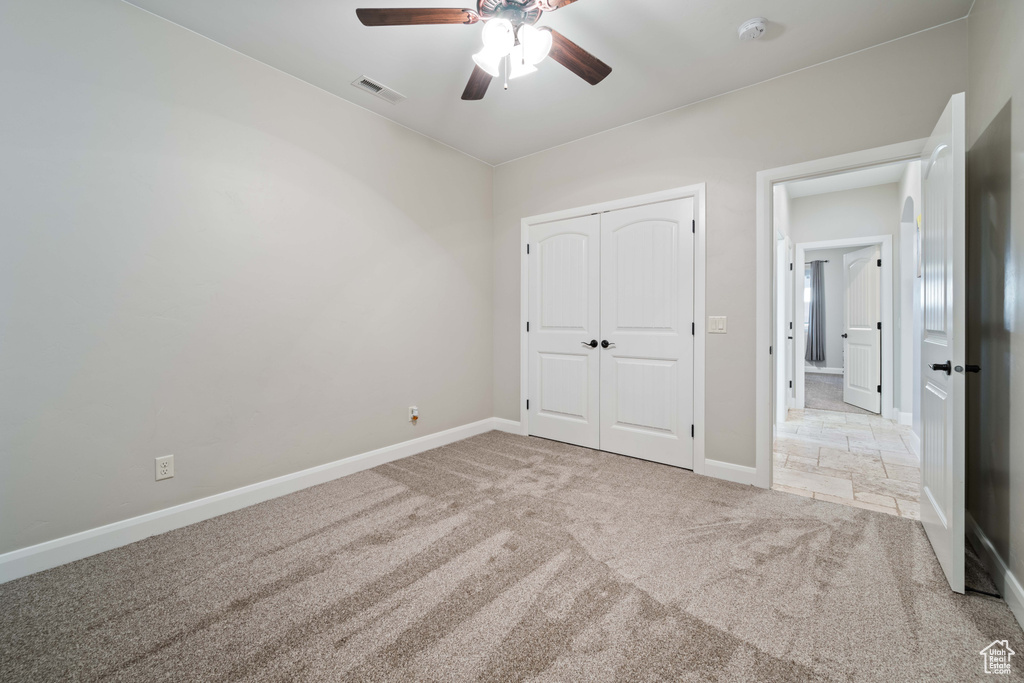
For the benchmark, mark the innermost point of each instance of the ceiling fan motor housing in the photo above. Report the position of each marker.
(516, 11)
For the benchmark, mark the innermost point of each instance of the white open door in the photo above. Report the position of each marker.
(647, 322)
(862, 359)
(565, 310)
(943, 352)
(783, 276)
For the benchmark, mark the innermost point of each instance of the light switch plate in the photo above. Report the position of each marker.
(717, 324)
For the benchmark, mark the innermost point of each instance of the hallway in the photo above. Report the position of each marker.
(862, 461)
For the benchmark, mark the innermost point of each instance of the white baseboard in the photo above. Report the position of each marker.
(811, 370)
(905, 418)
(915, 443)
(740, 474)
(510, 426)
(1006, 582)
(25, 561)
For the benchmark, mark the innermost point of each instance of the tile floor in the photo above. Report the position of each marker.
(863, 461)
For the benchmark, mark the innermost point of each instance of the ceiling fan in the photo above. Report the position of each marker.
(512, 44)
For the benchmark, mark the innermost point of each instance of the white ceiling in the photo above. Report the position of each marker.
(664, 54)
(851, 180)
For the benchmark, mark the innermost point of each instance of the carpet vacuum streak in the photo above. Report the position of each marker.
(509, 558)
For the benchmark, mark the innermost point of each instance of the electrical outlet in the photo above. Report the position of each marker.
(414, 414)
(164, 467)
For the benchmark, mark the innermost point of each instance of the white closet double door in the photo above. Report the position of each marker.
(611, 331)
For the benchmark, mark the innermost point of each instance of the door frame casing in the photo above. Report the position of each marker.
(886, 313)
(698, 194)
(764, 274)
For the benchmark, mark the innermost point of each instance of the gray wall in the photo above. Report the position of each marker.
(203, 256)
(863, 212)
(834, 305)
(995, 430)
(888, 94)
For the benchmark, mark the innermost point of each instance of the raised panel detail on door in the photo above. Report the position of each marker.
(565, 385)
(646, 394)
(564, 373)
(564, 283)
(646, 260)
(933, 474)
(646, 316)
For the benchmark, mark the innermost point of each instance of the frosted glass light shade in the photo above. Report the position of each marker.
(489, 61)
(518, 64)
(536, 43)
(499, 36)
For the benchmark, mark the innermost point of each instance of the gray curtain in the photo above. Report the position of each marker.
(816, 320)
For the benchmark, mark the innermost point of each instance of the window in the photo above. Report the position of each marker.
(807, 298)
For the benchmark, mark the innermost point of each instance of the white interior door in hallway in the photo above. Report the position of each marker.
(862, 366)
(611, 343)
(943, 344)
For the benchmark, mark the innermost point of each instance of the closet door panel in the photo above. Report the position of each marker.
(564, 370)
(646, 320)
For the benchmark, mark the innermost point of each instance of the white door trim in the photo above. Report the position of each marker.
(888, 348)
(698, 193)
(764, 265)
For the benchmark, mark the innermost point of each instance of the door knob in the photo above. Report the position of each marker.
(943, 367)
(605, 344)
(844, 335)
(592, 343)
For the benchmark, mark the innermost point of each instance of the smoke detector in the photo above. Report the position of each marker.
(752, 29)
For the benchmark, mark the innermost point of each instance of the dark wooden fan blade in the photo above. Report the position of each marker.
(477, 86)
(577, 60)
(416, 16)
(552, 5)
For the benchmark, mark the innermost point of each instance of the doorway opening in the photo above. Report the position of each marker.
(844, 349)
(938, 330)
(845, 331)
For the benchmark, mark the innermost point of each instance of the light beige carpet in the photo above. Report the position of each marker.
(506, 558)
(825, 392)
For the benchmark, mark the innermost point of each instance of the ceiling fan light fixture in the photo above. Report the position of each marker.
(499, 36)
(535, 42)
(519, 65)
(489, 61)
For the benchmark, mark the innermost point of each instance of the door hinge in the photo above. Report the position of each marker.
(695, 226)
(693, 432)
(879, 263)
(879, 388)
(790, 384)
(791, 326)
(693, 329)
(527, 404)
(527, 248)
(769, 350)
(791, 266)
(879, 325)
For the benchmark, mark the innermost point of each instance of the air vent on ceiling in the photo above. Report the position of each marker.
(379, 89)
